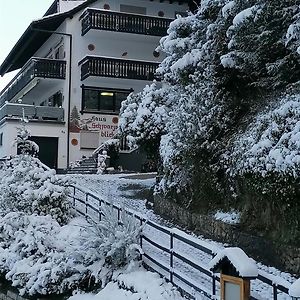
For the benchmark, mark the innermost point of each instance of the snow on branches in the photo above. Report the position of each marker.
(271, 143)
(39, 256)
(143, 116)
(223, 65)
(26, 186)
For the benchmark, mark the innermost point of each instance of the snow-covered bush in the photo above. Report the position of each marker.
(26, 186)
(114, 241)
(267, 154)
(39, 256)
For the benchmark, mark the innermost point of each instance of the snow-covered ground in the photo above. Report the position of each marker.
(125, 190)
(119, 189)
(136, 284)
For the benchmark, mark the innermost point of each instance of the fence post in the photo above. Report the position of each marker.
(119, 215)
(213, 285)
(141, 238)
(99, 209)
(86, 204)
(74, 191)
(274, 292)
(171, 255)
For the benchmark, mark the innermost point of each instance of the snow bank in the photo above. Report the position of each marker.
(231, 217)
(138, 284)
(294, 290)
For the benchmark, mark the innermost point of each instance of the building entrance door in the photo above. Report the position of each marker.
(48, 150)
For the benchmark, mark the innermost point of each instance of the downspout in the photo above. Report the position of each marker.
(69, 84)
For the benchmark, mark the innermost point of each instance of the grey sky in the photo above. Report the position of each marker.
(15, 16)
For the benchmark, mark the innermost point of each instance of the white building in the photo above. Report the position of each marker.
(78, 63)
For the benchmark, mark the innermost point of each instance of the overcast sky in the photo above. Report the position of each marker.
(15, 16)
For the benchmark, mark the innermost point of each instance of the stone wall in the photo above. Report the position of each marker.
(284, 257)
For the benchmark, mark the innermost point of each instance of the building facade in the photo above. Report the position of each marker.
(77, 64)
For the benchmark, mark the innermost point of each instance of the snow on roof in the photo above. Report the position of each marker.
(294, 290)
(245, 266)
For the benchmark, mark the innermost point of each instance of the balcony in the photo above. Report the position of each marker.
(118, 68)
(32, 112)
(123, 22)
(34, 68)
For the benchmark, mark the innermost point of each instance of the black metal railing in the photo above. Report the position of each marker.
(123, 22)
(35, 67)
(32, 112)
(117, 68)
(169, 251)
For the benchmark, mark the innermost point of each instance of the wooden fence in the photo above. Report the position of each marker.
(170, 251)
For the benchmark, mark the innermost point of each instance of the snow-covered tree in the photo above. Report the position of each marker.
(22, 141)
(224, 64)
(143, 117)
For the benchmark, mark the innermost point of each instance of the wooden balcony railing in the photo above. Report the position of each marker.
(35, 67)
(118, 68)
(32, 112)
(123, 22)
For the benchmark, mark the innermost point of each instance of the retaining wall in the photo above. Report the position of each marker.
(284, 257)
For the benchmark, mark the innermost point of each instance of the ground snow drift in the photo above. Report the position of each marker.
(138, 284)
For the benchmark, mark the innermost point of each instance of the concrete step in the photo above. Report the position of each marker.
(75, 171)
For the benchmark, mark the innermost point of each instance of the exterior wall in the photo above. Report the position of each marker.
(152, 7)
(109, 44)
(279, 255)
(9, 130)
(65, 5)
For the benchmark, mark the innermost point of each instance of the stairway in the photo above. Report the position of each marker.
(85, 166)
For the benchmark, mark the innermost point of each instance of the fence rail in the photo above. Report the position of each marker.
(88, 204)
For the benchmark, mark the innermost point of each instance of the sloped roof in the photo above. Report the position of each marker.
(245, 266)
(32, 39)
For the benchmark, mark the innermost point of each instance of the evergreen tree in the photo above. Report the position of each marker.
(224, 65)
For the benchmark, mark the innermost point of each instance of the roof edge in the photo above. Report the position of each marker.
(28, 35)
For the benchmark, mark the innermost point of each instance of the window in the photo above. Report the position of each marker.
(59, 52)
(1, 139)
(133, 9)
(234, 288)
(56, 100)
(103, 100)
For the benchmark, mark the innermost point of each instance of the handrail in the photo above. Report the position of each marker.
(174, 235)
(123, 22)
(35, 67)
(103, 145)
(32, 112)
(118, 68)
